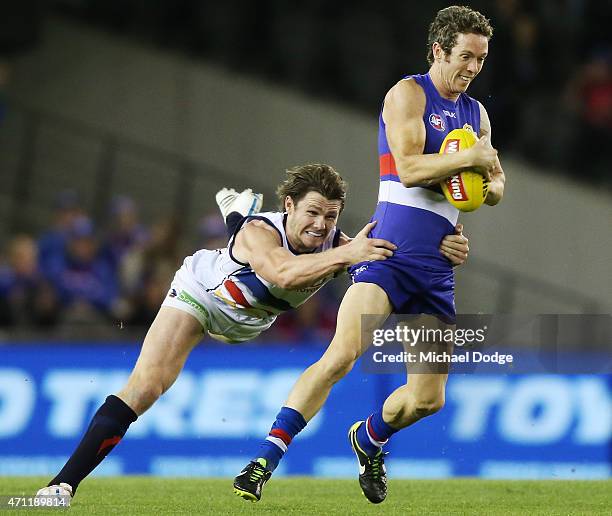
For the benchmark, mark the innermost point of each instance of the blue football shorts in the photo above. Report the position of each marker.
(412, 286)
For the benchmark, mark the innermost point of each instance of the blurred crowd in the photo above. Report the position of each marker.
(78, 281)
(547, 83)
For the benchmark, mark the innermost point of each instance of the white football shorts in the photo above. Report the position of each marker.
(189, 294)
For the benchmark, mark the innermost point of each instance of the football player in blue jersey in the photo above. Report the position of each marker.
(412, 213)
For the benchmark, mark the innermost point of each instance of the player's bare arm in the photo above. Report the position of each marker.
(259, 245)
(498, 178)
(403, 116)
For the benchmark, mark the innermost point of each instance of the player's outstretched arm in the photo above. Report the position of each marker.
(258, 244)
(403, 116)
(455, 247)
(498, 178)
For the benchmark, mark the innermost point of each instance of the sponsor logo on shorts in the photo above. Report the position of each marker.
(186, 298)
(359, 270)
(172, 293)
(437, 122)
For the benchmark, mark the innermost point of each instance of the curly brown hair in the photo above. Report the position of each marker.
(313, 177)
(453, 20)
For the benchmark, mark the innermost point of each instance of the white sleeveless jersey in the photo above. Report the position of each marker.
(244, 292)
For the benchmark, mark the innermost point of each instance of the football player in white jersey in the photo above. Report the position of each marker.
(234, 294)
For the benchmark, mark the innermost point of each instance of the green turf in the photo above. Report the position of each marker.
(157, 496)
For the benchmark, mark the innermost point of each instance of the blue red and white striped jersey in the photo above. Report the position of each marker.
(416, 219)
(242, 289)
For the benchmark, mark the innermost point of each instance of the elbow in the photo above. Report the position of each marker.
(409, 178)
(415, 180)
(284, 283)
(494, 198)
(496, 189)
(495, 195)
(410, 175)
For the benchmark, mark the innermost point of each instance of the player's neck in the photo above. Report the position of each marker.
(438, 82)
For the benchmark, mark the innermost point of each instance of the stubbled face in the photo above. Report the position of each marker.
(310, 220)
(457, 70)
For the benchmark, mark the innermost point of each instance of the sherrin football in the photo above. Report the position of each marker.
(466, 190)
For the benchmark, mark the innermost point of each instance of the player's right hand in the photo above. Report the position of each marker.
(364, 249)
(483, 156)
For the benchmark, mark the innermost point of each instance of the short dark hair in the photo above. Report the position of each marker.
(313, 177)
(454, 20)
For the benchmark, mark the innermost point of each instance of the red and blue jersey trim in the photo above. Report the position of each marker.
(388, 171)
(260, 291)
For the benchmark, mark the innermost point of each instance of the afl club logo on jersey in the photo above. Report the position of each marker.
(436, 122)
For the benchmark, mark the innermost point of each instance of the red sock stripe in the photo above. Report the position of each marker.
(109, 442)
(281, 434)
(372, 433)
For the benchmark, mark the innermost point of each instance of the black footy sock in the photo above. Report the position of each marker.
(108, 426)
(232, 221)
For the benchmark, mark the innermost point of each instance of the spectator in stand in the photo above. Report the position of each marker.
(151, 270)
(162, 254)
(512, 67)
(590, 95)
(125, 232)
(86, 282)
(123, 248)
(26, 298)
(52, 244)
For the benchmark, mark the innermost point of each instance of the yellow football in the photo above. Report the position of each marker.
(466, 190)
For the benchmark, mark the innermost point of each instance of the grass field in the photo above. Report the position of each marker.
(156, 496)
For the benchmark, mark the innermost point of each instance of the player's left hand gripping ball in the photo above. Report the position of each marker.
(466, 190)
